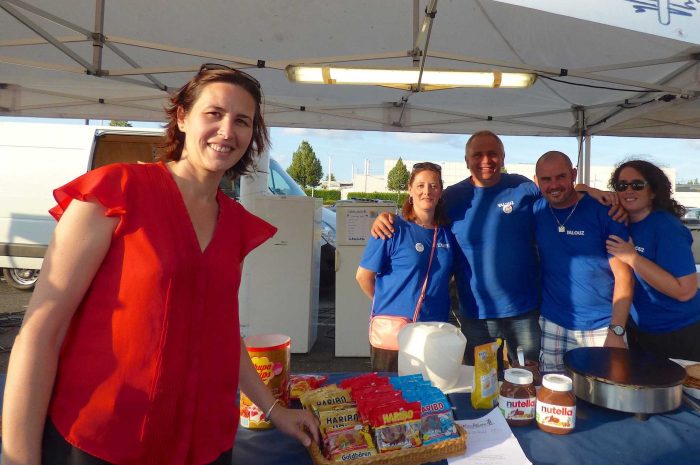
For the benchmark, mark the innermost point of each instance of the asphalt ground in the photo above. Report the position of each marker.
(321, 359)
(13, 303)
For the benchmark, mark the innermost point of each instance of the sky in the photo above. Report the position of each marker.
(348, 149)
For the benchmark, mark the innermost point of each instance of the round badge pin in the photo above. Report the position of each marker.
(420, 247)
(507, 209)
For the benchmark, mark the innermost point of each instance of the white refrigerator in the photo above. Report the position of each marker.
(352, 306)
(279, 286)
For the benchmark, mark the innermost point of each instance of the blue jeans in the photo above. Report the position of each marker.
(522, 330)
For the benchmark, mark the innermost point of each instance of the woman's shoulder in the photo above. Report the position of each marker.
(123, 173)
(400, 222)
(665, 218)
(663, 223)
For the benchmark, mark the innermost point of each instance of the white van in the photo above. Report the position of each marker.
(36, 158)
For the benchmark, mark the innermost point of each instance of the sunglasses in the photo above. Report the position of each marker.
(427, 165)
(219, 67)
(636, 185)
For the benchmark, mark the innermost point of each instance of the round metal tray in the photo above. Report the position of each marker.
(625, 380)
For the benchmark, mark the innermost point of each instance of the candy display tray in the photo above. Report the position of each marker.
(415, 456)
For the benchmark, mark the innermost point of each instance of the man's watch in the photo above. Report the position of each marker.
(617, 330)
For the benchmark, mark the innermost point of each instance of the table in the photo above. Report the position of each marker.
(601, 436)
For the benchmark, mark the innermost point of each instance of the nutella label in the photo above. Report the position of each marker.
(517, 409)
(556, 416)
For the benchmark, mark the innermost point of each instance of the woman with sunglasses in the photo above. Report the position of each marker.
(407, 275)
(130, 351)
(666, 308)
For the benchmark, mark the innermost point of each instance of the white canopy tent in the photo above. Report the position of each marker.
(118, 60)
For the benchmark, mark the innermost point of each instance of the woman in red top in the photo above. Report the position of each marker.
(130, 352)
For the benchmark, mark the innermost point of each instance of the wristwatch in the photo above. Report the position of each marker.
(617, 330)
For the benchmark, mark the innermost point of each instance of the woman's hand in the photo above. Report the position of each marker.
(624, 250)
(300, 424)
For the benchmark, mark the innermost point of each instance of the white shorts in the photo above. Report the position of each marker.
(557, 340)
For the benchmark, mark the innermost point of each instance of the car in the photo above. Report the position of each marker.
(691, 217)
(70, 150)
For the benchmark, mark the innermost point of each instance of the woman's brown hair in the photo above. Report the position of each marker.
(185, 99)
(407, 212)
(659, 184)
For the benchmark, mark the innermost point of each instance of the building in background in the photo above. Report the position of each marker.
(455, 171)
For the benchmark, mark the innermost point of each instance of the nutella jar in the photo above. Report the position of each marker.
(532, 366)
(517, 397)
(556, 405)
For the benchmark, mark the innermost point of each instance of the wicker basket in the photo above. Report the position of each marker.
(416, 456)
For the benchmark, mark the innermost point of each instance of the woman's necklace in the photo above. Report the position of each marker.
(562, 226)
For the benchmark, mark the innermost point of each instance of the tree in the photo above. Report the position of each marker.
(120, 123)
(332, 177)
(305, 168)
(397, 179)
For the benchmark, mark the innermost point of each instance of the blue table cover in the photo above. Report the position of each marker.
(602, 436)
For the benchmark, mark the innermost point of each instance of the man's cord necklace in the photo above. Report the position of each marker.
(562, 228)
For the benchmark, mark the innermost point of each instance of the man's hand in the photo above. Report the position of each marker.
(619, 214)
(383, 226)
(603, 197)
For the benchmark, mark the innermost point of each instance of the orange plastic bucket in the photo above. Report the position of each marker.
(270, 354)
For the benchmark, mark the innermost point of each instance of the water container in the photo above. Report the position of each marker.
(433, 349)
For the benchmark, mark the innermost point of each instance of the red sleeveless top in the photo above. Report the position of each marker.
(148, 371)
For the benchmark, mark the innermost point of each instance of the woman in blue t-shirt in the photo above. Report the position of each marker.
(666, 310)
(407, 275)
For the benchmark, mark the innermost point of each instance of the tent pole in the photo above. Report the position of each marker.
(587, 157)
(47, 36)
(583, 159)
(98, 37)
(421, 37)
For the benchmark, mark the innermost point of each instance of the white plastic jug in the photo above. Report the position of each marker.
(433, 349)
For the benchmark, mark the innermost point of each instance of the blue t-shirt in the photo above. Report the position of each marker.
(663, 239)
(497, 271)
(577, 282)
(401, 263)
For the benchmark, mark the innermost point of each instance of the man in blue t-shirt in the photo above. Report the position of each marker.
(497, 273)
(586, 293)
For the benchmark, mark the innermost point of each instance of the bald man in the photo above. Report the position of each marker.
(586, 293)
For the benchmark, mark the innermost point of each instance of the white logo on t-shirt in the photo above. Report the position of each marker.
(507, 206)
(420, 247)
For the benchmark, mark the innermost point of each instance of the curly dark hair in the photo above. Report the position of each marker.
(659, 184)
(185, 99)
(440, 215)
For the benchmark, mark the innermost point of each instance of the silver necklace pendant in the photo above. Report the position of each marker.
(562, 229)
